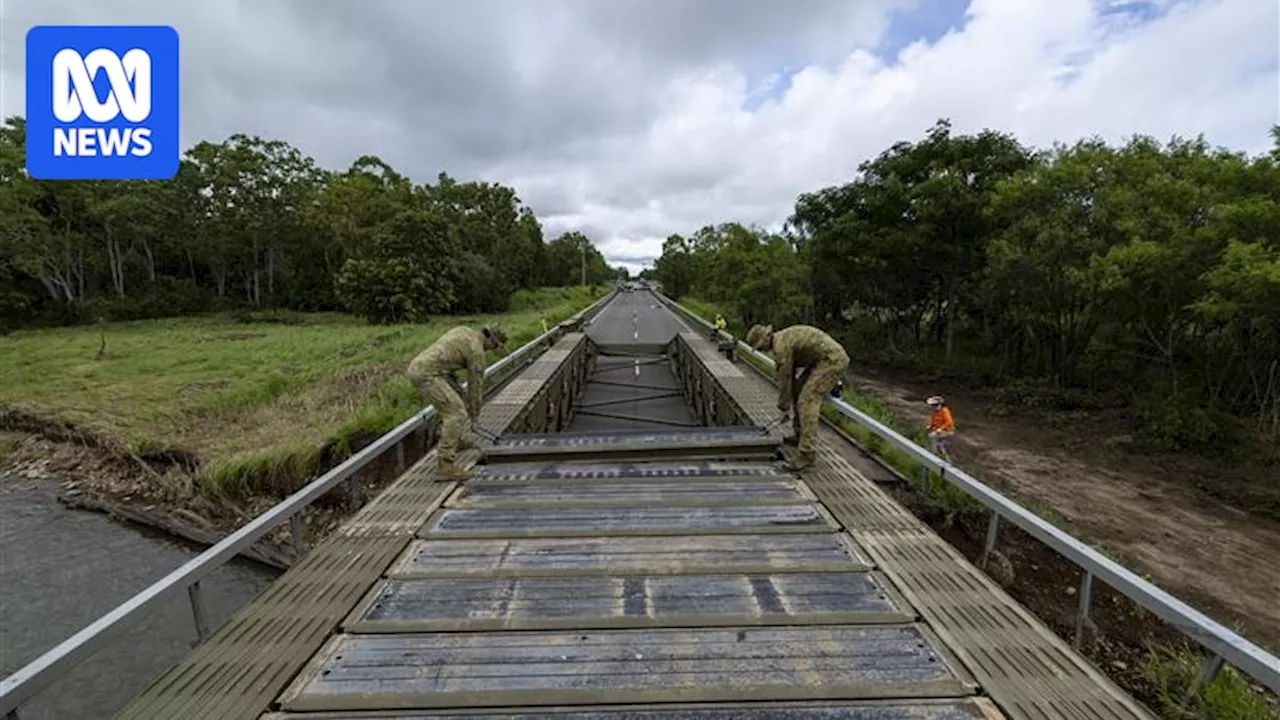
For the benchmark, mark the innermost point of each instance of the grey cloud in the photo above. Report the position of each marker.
(476, 89)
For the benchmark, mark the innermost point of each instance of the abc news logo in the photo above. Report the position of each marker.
(103, 102)
(74, 96)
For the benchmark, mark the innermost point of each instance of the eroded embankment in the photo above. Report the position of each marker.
(162, 490)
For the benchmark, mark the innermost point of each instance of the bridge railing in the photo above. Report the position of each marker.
(1223, 644)
(25, 683)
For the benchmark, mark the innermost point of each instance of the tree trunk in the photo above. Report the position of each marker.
(115, 260)
(151, 262)
(50, 286)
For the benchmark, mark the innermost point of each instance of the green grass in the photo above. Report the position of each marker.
(256, 398)
(1228, 697)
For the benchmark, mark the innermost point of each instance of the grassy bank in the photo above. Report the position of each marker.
(1158, 664)
(252, 401)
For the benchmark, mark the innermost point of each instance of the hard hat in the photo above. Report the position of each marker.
(936, 400)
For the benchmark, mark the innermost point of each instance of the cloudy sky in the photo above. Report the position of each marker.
(634, 119)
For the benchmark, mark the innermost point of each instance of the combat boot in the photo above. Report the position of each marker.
(792, 440)
(449, 470)
(802, 461)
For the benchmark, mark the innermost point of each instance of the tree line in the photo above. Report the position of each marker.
(255, 223)
(1146, 273)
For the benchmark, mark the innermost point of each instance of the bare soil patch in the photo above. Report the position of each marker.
(1147, 511)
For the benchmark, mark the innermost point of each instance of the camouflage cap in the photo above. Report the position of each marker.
(758, 334)
(496, 333)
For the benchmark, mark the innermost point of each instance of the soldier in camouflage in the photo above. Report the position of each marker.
(821, 362)
(432, 373)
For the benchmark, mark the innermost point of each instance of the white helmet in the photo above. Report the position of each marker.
(936, 400)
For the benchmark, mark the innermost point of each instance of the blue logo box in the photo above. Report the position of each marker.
(102, 102)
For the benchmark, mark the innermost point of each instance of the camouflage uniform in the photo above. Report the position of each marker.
(821, 362)
(432, 374)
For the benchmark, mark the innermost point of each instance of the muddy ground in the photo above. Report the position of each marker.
(1146, 510)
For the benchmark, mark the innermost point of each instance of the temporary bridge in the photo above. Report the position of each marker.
(630, 548)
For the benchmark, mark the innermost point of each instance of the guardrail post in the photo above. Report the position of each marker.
(1208, 672)
(295, 529)
(993, 531)
(1082, 611)
(197, 610)
(400, 457)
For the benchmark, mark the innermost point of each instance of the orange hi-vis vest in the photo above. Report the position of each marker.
(941, 420)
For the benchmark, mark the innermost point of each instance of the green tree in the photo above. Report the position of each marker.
(408, 274)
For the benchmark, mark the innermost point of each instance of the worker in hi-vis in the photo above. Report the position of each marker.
(941, 427)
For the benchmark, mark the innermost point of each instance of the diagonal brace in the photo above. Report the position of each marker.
(654, 421)
(642, 398)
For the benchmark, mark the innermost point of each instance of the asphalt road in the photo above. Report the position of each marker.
(632, 387)
(635, 318)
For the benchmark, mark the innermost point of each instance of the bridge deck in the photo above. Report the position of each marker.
(593, 575)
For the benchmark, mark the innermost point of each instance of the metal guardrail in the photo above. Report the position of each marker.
(1222, 643)
(25, 683)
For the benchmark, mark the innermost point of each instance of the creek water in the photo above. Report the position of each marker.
(62, 569)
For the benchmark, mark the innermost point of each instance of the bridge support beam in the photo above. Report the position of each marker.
(198, 614)
(1082, 612)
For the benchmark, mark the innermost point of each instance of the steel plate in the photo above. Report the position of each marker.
(627, 555)
(625, 470)
(433, 670)
(551, 493)
(607, 438)
(958, 709)
(603, 521)
(636, 601)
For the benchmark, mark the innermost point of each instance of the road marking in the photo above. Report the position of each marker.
(637, 368)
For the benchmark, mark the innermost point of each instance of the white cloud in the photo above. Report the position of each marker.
(1204, 67)
(630, 120)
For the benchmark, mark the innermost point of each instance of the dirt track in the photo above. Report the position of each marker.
(1217, 558)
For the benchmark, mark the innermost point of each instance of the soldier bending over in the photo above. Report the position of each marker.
(431, 372)
(821, 362)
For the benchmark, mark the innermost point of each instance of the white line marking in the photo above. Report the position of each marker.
(637, 368)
